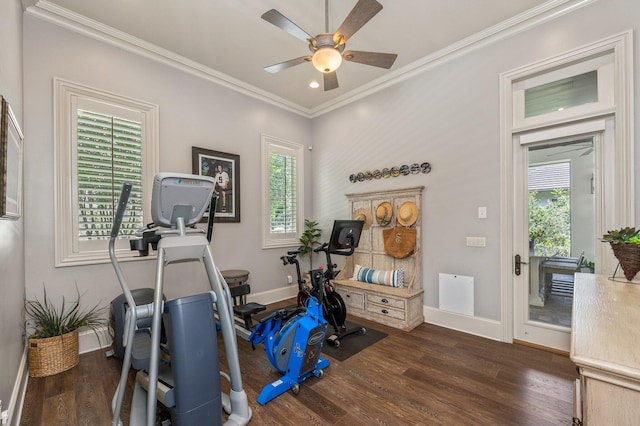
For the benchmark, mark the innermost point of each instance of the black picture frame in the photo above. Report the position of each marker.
(223, 167)
(11, 152)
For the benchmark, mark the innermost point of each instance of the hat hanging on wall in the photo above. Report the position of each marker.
(407, 213)
(384, 213)
(365, 215)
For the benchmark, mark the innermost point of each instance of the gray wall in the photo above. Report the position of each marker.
(12, 262)
(193, 112)
(450, 117)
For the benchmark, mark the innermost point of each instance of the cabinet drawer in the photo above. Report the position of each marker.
(384, 300)
(352, 298)
(386, 311)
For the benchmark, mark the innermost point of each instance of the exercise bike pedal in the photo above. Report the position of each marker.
(333, 340)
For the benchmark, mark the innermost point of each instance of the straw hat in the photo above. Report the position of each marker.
(384, 213)
(407, 213)
(365, 215)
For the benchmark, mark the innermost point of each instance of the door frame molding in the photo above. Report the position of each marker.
(621, 46)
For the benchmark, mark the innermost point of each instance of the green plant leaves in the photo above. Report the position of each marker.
(48, 320)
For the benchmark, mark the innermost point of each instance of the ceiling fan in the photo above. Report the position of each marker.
(586, 146)
(328, 48)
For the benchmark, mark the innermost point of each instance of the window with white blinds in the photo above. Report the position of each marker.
(103, 140)
(109, 152)
(282, 195)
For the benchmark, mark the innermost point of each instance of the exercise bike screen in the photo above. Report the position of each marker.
(342, 229)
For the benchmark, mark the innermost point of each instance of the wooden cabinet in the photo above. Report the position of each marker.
(605, 346)
(396, 307)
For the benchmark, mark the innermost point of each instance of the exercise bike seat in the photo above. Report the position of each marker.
(242, 309)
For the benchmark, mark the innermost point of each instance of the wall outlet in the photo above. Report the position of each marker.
(476, 242)
(289, 279)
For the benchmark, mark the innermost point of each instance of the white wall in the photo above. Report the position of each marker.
(193, 112)
(450, 117)
(11, 231)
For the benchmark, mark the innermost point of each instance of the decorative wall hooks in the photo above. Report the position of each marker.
(385, 173)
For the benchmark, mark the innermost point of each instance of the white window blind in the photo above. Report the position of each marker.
(102, 141)
(282, 192)
(282, 173)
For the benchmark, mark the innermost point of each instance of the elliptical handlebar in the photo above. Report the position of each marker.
(122, 206)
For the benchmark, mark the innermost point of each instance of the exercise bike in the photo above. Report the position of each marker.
(189, 384)
(344, 239)
(293, 340)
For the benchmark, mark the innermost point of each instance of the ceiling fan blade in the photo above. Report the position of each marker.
(284, 23)
(286, 64)
(330, 81)
(361, 13)
(376, 59)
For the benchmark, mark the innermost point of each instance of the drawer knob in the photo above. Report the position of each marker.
(384, 311)
(384, 301)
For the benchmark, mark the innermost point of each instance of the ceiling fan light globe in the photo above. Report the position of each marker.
(327, 59)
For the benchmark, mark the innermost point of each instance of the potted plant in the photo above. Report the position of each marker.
(625, 243)
(309, 239)
(53, 342)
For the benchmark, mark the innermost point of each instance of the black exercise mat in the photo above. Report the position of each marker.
(352, 344)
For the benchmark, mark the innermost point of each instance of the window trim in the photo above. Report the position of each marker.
(66, 94)
(269, 144)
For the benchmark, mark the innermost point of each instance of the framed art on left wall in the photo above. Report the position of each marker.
(11, 140)
(225, 169)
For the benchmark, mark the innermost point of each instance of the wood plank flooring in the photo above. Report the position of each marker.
(430, 376)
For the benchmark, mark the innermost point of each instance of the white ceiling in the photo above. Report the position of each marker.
(229, 42)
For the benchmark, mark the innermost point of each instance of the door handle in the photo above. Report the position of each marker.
(518, 262)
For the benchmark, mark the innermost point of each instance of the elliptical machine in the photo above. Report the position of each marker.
(189, 386)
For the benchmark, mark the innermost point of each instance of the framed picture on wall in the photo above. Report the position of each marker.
(11, 140)
(225, 169)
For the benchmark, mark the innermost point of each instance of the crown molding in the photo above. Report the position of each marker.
(65, 18)
(519, 23)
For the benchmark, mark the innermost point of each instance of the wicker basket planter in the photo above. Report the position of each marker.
(53, 355)
(629, 257)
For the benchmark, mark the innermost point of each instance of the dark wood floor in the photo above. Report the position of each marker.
(430, 376)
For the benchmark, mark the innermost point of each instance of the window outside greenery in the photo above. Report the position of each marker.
(550, 222)
(283, 194)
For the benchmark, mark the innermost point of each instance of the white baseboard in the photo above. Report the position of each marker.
(482, 327)
(272, 296)
(19, 391)
(88, 341)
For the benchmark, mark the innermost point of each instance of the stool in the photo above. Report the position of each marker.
(234, 278)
